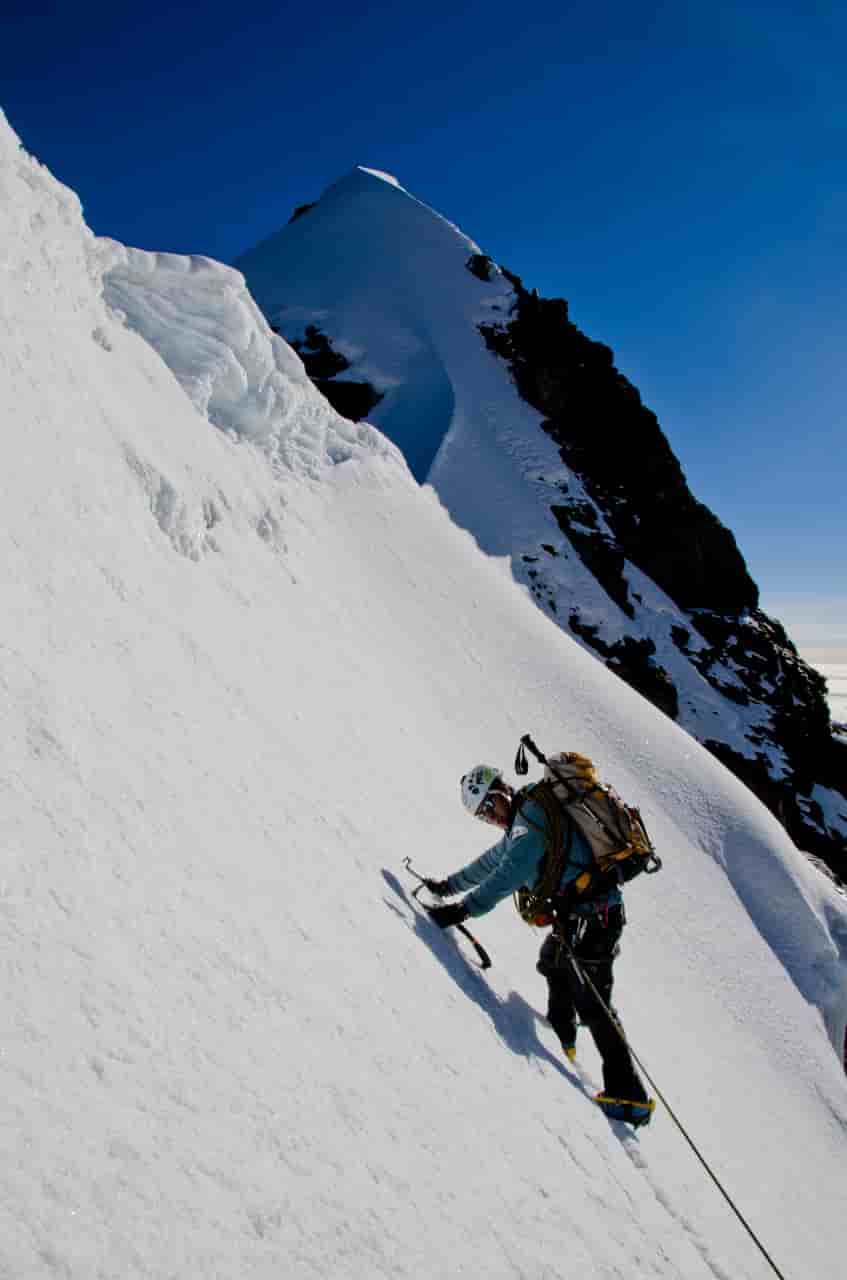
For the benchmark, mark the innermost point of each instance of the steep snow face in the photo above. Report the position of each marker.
(236, 688)
(386, 279)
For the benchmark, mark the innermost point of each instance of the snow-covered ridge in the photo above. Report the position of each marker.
(44, 238)
(231, 1047)
(402, 294)
(202, 321)
(378, 173)
(198, 317)
(357, 263)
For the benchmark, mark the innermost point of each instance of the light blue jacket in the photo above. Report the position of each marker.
(515, 861)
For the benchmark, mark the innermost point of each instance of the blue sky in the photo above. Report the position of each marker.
(677, 171)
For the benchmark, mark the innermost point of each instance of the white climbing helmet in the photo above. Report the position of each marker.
(476, 785)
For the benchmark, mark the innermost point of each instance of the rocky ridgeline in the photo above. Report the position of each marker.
(641, 510)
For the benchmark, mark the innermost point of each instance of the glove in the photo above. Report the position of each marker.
(438, 888)
(452, 913)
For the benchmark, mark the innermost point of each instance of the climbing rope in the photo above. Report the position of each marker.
(586, 981)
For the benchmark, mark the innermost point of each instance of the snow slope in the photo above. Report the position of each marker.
(244, 660)
(386, 279)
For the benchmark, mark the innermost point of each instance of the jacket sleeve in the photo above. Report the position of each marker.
(502, 869)
(478, 870)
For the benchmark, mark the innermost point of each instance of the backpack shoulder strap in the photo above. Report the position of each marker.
(559, 832)
(517, 803)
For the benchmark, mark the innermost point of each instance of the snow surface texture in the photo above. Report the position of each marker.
(237, 685)
(384, 277)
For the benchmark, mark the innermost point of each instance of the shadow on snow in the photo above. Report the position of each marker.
(513, 1018)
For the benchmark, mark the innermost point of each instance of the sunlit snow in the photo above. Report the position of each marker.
(244, 659)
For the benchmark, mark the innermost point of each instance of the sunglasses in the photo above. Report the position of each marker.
(488, 806)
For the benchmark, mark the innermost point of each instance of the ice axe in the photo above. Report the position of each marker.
(484, 957)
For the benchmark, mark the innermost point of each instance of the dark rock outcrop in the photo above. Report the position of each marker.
(300, 210)
(481, 266)
(616, 446)
(354, 400)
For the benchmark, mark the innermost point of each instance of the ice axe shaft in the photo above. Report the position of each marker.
(484, 957)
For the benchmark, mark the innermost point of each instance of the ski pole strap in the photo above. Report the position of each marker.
(484, 957)
(527, 744)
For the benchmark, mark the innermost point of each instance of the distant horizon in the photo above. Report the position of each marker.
(817, 625)
(829, 657)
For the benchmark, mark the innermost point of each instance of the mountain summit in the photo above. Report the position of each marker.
(543, 450)
(369, 285)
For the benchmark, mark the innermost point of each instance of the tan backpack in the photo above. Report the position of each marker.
(572, 797)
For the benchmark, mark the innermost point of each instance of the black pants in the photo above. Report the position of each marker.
(593, 941)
